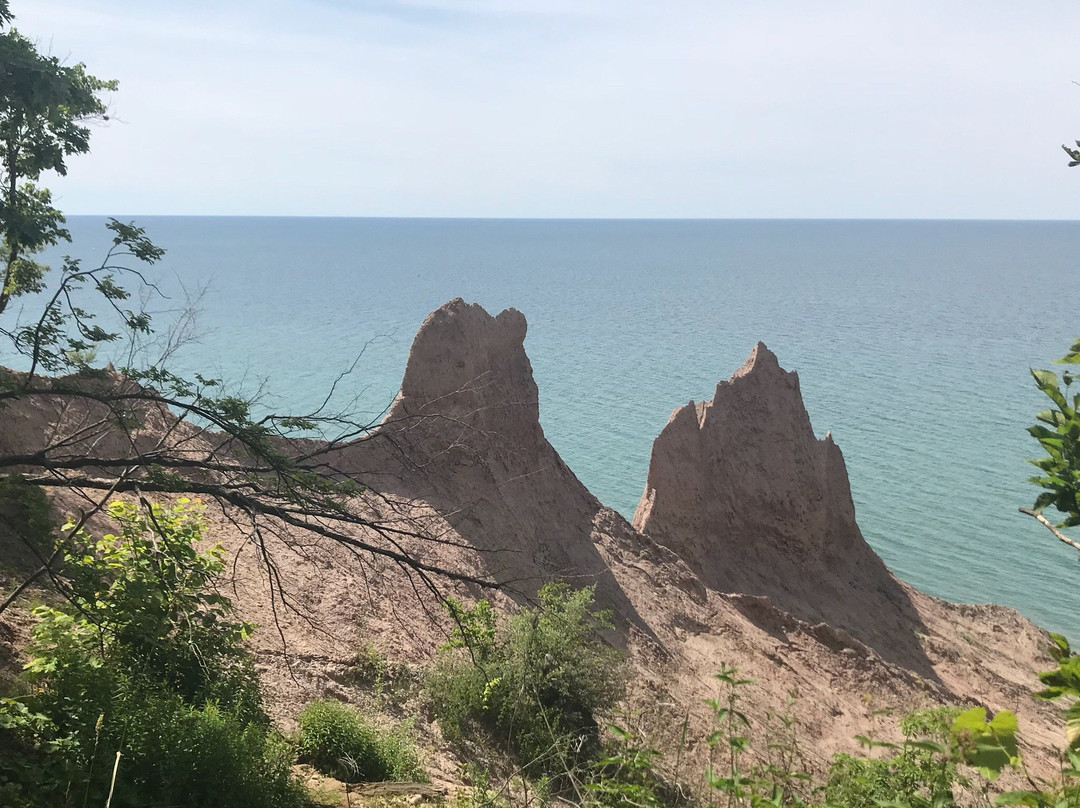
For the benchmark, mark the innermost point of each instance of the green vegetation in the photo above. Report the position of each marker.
(390, 683)
(869, 782)
(926, 770)
(337, 740)
(626, 777)
(536, 685)
(777, 778)
(1058, 433)
(141, 674)
(917, 767)
(44, 106)
(140, 686)
(947, 755)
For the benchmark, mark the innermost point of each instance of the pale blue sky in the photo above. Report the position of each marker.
(575, 108)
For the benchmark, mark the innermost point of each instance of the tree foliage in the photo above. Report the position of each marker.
(44, 108)
(1058, 433)
(144, 600)
(1074, 153)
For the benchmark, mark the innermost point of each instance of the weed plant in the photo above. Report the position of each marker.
(338, 741)
(144, 660)
(534, 685)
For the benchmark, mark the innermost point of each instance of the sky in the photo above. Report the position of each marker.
(574, 108)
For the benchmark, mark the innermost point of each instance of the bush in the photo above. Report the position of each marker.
(204, 756)
(145, 659)
(627, 777)
(932, 723)
(918, 768)
(338, 741)
(24, 513)
(863, 782)
(535, 687)
(36, 766)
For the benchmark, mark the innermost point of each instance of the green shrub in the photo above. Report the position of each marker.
(932, 723)
(36, 767)
(24, 511)
(535, 686)
(203, 756)
(337, 740)
(626, 776)
(777, 778)
(864, 782)
(920, 768)
(145, 659)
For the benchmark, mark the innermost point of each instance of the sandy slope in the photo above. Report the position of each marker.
(744, 550)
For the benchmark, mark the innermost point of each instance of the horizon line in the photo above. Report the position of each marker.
(572, 218)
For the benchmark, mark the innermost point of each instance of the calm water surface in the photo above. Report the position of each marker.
(912, 341)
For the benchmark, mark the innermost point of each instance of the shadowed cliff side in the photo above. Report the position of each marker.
(741, 489)
(464, 436)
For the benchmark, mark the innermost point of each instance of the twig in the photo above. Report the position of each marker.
(1050, 526)
(112, 783)
(44, 568)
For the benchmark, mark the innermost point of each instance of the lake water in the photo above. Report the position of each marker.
(912, 340)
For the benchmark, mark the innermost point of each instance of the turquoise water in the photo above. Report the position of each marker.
(912, 340)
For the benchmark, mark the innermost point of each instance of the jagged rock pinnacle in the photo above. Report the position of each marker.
(742, 490)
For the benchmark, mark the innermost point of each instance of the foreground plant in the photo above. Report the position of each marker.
(627, 776)
(780, 782)
(141, 691)
(337, 740)
(1058, 433)
(533, 686)
(1063, 682)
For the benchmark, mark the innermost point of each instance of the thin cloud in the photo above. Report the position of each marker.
(590, 108)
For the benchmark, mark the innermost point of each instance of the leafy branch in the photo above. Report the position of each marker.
(1058, 433)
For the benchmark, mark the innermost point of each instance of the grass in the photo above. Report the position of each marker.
(339, 741)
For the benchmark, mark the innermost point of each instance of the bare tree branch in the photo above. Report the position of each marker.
(1050, 526)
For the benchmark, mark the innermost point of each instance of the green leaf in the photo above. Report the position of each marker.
(989, 746)
(1004, 724)
(1047, 381)
(973, 720)
(1073, 356)
(990, 759)
(1036, 799)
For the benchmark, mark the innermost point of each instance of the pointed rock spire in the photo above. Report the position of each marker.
(742, 490)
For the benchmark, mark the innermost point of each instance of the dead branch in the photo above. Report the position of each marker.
(1050, 526)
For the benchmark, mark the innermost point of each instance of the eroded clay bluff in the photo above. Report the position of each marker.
(464, 437)
(748, 551)
(740, 488)
(792, 595)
